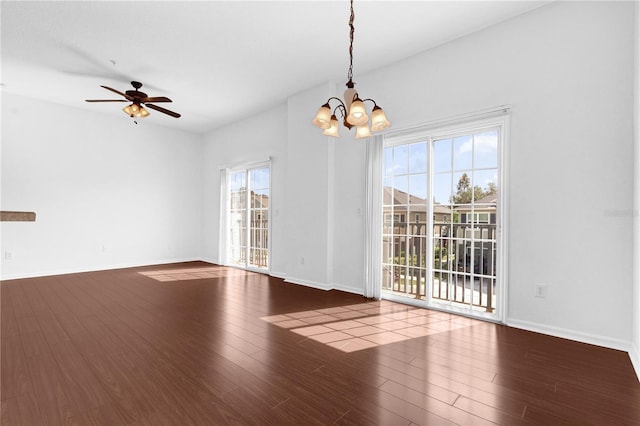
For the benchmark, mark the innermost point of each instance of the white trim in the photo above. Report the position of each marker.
(502, 219)
(223, 225)
(246, 165)
(448, 121)
(97, 268)
(281, 275)
(211, 260)
(347, 289)
(321, 286)
(564, 333)
(634, 355)
(270, 213)
(449, 129)
(307, 283)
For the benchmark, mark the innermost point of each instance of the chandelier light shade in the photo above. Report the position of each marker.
(357, 113)
(352, 108)
(379, 119)
(323, 117)
(333, 130)
(363, 131)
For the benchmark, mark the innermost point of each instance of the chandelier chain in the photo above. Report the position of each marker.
(351, 32)
(353, 110)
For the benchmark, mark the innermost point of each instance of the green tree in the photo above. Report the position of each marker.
(465, 191)
(491, 189)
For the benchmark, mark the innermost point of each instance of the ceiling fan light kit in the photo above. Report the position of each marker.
(138, 101)
(135, 110)
(352, 109)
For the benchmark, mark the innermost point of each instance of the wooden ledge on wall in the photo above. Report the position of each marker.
(6, 216)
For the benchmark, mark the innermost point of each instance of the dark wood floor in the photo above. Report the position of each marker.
(198, 344)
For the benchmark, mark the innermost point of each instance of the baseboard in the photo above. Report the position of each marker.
(348, 289)
(94, 268)
(313, 284)
(634, 355)
(592, 339)
(209, 260)
(320, 286)
(276, 274)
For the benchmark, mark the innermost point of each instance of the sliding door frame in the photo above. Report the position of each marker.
(498, 117)
(225, 216)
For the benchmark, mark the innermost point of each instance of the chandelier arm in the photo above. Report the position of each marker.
(369, 99)
(337, 99)
(341, 108)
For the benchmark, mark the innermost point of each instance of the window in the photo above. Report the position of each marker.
(475, 217)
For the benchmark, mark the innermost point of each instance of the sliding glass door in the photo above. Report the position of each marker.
(248, 234)
(441, 219)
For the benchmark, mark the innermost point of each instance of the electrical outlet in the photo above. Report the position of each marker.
(541, 290)
(302, 260)
(8, 255)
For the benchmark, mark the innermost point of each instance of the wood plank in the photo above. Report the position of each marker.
(108, 414)
(20, 410)
(14, 369)
(51, 392)
(81, 383)
(34, 343)
(8, 322)
(51, 328)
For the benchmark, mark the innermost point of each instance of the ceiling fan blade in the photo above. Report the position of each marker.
(156, 99)
(118, 92)
(163, 110)
(106, 100)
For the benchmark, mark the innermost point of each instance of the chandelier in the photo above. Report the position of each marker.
(352, 110)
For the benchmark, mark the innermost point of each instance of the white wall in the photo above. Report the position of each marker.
(309, 187)
(107, 193)
(567, 70)
(348, 161)
(635, 348)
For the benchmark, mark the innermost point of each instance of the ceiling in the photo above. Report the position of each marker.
(218, 61)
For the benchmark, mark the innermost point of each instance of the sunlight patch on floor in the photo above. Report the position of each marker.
(193, 273)
(366, 325)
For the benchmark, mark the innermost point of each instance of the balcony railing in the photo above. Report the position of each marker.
(258, 250)
(462, 268)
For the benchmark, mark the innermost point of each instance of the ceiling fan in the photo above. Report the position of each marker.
(138, 101)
